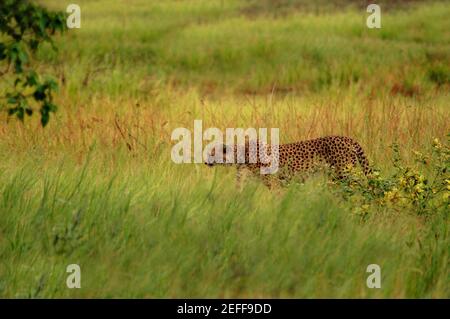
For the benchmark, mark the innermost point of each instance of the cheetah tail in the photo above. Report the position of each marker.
(362, 159)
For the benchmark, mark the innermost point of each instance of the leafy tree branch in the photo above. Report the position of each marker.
(24, 26)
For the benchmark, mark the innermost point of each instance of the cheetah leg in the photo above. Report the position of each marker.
(346, 168)
(239, 184)
(266, 181)
(270, 181)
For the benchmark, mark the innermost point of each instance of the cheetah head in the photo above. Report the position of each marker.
(239, 153)
(217, 155)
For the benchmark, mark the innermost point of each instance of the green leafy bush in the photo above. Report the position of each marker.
(422, 188)
(23, 27)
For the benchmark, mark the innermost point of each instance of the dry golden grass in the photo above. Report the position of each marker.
(144, 126)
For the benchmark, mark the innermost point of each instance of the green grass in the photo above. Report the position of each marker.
(81, 191)
(135, 237)
(214, 44)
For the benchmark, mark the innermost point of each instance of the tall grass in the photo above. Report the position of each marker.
(135, 237)
(145, 125)
(97, 187)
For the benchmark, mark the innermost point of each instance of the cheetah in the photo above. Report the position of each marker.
(340, 153)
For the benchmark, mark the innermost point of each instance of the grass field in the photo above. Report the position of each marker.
(97, 186)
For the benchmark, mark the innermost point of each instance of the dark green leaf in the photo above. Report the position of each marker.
(44, 118)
